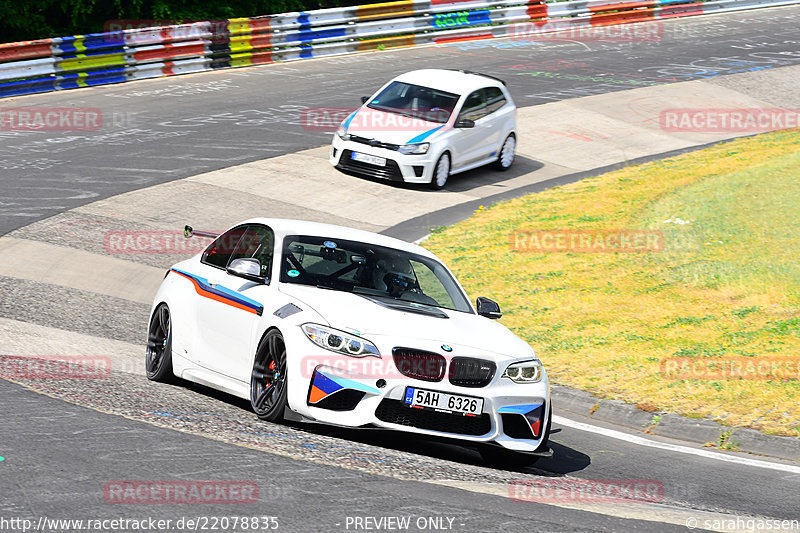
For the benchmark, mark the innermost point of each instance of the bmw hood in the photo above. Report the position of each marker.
(373, 320)
(391, 128)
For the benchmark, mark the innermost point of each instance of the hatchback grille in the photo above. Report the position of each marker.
(419, 364)
(388, 172)
(471, 372)
(395, 412)
(373, 142)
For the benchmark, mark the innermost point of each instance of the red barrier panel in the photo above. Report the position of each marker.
(170, 51)
(537, 11)
(25, 50)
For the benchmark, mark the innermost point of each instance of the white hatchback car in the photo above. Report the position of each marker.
(329, 324)
(425, 125)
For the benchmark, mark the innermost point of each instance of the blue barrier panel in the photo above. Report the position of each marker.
(100, 77)
(22, 87)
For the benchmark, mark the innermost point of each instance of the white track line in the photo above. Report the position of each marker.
(641, 441)
(418, 241)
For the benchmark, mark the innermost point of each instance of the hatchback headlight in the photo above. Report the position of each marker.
(525, 372)
(342, 133)
(414, 149)
(339, 341)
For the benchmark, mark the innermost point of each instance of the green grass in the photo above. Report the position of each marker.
(725, 284)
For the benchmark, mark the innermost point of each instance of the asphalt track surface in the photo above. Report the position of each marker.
(159, 130)
(58, 456)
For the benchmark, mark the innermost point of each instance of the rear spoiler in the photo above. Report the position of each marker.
(495, 78)
(188, 231)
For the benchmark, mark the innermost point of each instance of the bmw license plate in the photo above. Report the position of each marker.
(443, 402)
(371, 159)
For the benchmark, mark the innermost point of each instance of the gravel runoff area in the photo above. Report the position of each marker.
(198, 410)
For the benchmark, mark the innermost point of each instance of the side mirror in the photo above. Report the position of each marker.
(364, 99)
(247, 268)
(464, 123)
(488, 308)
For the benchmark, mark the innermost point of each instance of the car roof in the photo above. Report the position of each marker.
(283, 227)
(453, 81)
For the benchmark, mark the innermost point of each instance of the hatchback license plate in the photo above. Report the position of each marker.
(371, 159)
(443, 401)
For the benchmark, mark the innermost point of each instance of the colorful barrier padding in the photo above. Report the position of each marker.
(113, 57)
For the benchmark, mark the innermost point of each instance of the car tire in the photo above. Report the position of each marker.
(504, 458)
(441, 172)
(506, 157)
(268, 383)
(158, 357)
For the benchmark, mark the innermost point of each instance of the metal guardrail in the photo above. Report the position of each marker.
(102, 58)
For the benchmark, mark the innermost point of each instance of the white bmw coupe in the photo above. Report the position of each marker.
(322, 323)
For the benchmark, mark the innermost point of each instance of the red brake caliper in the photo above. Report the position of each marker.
(271, 367)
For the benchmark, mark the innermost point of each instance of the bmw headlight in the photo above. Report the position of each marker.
(342, 133)
(414, 149)
(339, 341)
(525, 372)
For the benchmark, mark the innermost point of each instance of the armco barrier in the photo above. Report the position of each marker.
(102, 58)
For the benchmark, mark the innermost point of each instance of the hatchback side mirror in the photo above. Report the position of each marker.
(364, 99)
(464, 123)
(488, 308)
(247, 268)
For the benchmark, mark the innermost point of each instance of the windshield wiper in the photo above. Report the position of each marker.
(393, 110)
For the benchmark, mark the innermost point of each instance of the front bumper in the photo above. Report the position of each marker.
(344, 394)
(399, 167)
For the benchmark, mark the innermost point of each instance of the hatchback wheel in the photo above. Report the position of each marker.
(506, 157)
(441, 172)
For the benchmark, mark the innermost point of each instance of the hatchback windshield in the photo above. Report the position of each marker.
(386, 275)
(415, 101)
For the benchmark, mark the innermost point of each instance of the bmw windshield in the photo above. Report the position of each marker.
(385, 275)
(415, 101)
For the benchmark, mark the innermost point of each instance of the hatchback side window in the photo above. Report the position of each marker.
(474, 106)
(494, 99)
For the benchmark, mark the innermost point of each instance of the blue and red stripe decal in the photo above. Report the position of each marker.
(533, 414)
(221, 294)
(323, 385)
